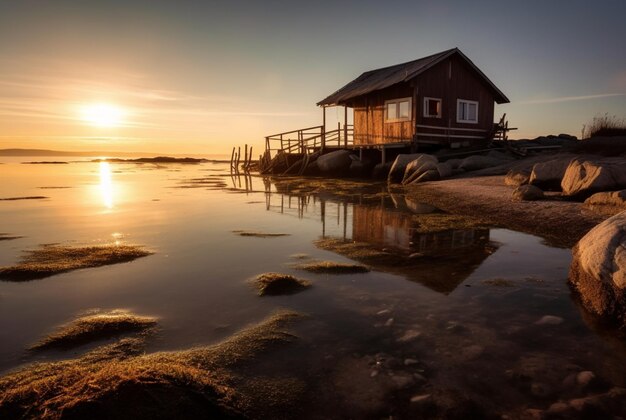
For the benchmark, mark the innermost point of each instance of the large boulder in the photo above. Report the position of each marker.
(583, 178)
(548, 175)
(334, 163)
(429, 175)
(454, 163)
(517, 177)
(527, 193)
(417, 167)
(444, 169)
(609, 202)
(475, 162)
(598, 269)
(398, 168)
(381, 170)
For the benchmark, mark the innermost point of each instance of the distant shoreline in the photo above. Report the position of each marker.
(101, 154)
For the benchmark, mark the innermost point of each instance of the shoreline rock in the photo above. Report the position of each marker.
(598, 270)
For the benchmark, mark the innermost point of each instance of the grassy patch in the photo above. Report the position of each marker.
(49, 260)
(361, 251)
(95, 327)
(300, 256)
(30, 197)
(255, 234)
(440, 222)
(331, 267)
(279, 284)
(117, 382)
(604, 126)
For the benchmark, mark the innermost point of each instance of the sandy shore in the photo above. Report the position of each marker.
(560, 223)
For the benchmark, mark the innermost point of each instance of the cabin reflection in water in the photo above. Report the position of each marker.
(401, 230)
(391, 236)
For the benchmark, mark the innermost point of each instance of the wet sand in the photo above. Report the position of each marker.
(561, 223)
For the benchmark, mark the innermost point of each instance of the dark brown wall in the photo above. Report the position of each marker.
(449, 80)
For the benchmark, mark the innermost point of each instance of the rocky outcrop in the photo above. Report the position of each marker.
(608, 202)
(548, 175)
(475, 162)
(334, 163)
(515, 178)
(583, 178)
(527, 193)
(598, 269)
(420, 164)
(398, 168)
(444, 169)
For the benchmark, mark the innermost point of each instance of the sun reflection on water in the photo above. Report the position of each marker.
(106, 185)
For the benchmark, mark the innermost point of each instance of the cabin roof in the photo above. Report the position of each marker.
(378, 79)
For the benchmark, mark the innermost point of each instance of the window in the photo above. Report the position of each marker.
(398, 110)
(466, 111)
(432, 107)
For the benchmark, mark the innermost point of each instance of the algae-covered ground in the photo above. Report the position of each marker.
(331, 267)
(118, 381)
(93, 327)
(49, 260)
(279, 284)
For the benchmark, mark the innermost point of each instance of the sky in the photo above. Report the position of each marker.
(197, 77)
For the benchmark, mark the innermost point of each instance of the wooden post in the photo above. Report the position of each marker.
(338, 133)
(384, 155)
(232, 160)
(323, 128)
(345, 218)
(345, 125)
(245, 158)
(323, 210)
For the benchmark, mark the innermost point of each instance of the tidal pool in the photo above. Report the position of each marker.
(453, 314)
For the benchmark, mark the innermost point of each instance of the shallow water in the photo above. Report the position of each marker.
(465, 310)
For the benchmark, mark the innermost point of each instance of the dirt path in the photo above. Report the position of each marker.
(560, 223)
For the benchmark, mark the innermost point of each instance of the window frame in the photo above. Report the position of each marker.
(425, 112)
(397, 103)
(458, 117)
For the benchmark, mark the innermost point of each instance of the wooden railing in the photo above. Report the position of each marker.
(310, 139)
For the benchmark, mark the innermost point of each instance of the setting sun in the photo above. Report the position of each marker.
(102, 115)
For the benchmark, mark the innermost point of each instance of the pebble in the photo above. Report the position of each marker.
(558, 408)
(409, 362)
(403, 381)
(540, 390)
(420, 398)
(549, 320)
(389, 322)
(409, 335)
(584, 377)
(374, 374)
(383, 312)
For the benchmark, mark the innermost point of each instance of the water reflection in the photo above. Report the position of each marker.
(393, 234)
(106, 185)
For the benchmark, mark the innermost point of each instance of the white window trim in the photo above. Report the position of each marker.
(425, 113)
(397, 101)
(458, 119)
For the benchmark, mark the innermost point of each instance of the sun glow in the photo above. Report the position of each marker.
(102, 115)
(106, 185)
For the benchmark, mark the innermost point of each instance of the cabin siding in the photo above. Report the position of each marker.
(449, 80)
(369, 117)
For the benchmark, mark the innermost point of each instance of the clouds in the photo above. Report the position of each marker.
(570, 98)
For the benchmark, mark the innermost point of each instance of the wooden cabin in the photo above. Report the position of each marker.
(441, 99)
